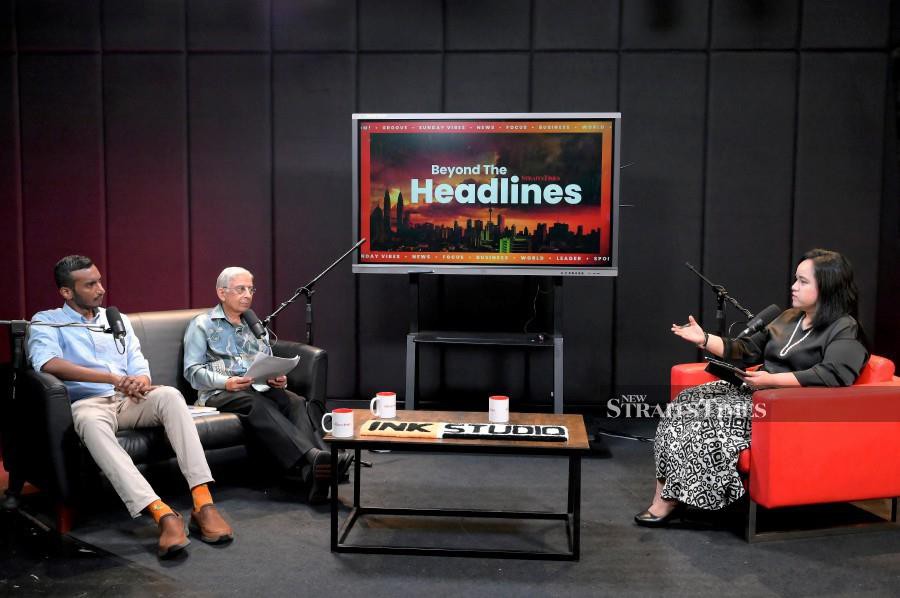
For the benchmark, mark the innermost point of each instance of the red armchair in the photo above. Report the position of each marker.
(819, 445)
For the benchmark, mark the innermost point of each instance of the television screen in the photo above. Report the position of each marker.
(486, 193)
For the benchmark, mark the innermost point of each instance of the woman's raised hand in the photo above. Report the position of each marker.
(691, 332)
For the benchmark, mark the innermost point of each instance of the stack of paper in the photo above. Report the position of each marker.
(199, 411)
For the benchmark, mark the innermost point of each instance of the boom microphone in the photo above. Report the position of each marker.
(761, 320)
(256, 327)
(116, 325)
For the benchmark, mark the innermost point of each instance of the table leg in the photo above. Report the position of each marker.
(575, 503)
(357, 472)
(334, 497)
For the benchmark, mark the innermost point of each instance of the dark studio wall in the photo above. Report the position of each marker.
(168, 139)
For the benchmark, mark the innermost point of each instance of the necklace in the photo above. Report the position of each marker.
(790, 344)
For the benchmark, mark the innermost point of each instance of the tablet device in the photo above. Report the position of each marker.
(725, 371)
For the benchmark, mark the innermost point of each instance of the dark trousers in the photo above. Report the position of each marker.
(278, 420)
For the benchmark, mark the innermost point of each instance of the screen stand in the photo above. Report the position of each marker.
(526, 340)
(598, 446)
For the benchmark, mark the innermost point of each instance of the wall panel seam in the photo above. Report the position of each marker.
(104, 184)
(704, 160)
(18, 172)
(273, 253)
(188, 244)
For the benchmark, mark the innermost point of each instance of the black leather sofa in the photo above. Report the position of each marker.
(45, 451)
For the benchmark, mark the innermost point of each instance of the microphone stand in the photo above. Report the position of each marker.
(18, 329)
(721, 297)
(307, 290)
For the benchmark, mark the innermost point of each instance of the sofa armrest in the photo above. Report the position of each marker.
(818, 445)
(685, 375)
(310, 377)
(46, 422)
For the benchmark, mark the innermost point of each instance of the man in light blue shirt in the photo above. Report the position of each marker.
(218, 349)
(108, 383)
(87, 348)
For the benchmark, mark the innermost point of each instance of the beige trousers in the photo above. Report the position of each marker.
(98, 418)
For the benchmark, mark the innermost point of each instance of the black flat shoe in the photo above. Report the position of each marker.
(648, 519)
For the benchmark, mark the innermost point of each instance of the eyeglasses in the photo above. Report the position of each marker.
(240, 290)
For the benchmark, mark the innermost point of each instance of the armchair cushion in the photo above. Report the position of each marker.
(818, 445)
(162, 336)
(221, 430)
(685, 375)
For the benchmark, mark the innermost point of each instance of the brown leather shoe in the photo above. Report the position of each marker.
(172, 538)
(213, 529)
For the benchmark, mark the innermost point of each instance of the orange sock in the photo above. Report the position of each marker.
(201, 496)
(157, 509)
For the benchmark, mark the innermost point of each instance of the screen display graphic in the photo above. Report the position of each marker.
(487, 193)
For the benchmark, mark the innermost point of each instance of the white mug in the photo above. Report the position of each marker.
(384, 405)
(498, 409)
(341, 423)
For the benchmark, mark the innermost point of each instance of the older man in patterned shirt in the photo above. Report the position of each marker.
(218, 349)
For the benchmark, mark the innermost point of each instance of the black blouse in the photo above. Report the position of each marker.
(832, 356)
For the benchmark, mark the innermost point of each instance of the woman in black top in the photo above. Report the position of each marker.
(815, 343)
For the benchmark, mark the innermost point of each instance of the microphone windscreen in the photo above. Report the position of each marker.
(767, 315)
(114, 318)
(249, 317)
(761, 320)
(252, 321)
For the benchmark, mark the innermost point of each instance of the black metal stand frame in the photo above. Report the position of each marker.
(753, 535)
(528, 341)
(17, 333)
(572, 516)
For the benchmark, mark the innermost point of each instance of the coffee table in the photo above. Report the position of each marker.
(576, 446)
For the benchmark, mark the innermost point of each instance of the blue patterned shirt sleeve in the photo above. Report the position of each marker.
(215, 350)
(197, 371)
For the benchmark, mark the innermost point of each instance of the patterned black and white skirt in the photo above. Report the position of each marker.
(698, 441)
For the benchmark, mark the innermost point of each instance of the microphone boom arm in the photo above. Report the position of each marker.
(721, 297)
(308, 291)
